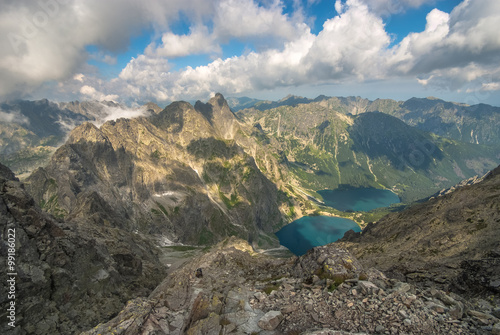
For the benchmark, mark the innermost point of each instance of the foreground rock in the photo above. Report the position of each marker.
(69, 277)
(450, 241)
(246, 293)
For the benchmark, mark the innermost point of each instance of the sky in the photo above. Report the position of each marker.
(165, 50)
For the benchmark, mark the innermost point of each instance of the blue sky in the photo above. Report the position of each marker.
(165, 50)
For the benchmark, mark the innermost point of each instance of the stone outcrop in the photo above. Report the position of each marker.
(246, 293)
(69, 276)
(450, 241)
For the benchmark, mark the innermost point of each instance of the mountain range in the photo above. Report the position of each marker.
(99, 221)
(249, 172)
(334, 142)
(30, 131)
(458, 121)
(184, 166)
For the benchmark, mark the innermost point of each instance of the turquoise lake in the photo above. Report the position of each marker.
(358, 199)
(312, 231)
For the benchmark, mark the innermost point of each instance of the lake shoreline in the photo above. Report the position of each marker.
(324, 227)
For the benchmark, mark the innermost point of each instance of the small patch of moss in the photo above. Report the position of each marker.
(332, 287)
(363, 276)
(155, 155)
(224, 322)
(270, 287)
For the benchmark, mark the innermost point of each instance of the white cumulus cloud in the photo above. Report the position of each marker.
(199, 41)
(46, 40)
(388, 7)
(45, 43)
(350, 45)
(455, 49)
(91, 93)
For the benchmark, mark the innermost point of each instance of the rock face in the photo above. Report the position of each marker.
(270, 320)
(246, 293)
(451, 240)
(183, 167)
(69, 277)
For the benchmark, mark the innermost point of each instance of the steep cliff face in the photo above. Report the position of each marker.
(179, 174)
(69, 275)
(451, 240)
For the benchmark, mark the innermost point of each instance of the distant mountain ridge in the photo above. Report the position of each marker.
(473, 124)
(326, 146)
(30, 131)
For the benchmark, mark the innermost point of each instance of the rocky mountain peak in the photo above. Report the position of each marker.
(176, 168)
(153, 108)
(219, 115)
(182, 120)
(87, 131)
(219, 98)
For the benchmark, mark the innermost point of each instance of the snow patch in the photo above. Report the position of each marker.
(165, 194)
(166, 242)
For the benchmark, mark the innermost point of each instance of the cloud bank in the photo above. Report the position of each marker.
(47, 40)
(13, 117)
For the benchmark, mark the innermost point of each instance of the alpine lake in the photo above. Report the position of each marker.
(312, 231)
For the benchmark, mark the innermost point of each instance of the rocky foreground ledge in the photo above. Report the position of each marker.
(326, 291)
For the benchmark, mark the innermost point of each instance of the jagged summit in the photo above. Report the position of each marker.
(158, 175)
(153, 108)
(87, 131)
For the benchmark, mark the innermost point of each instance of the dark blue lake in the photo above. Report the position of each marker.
(358, 199)
(312, 231)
